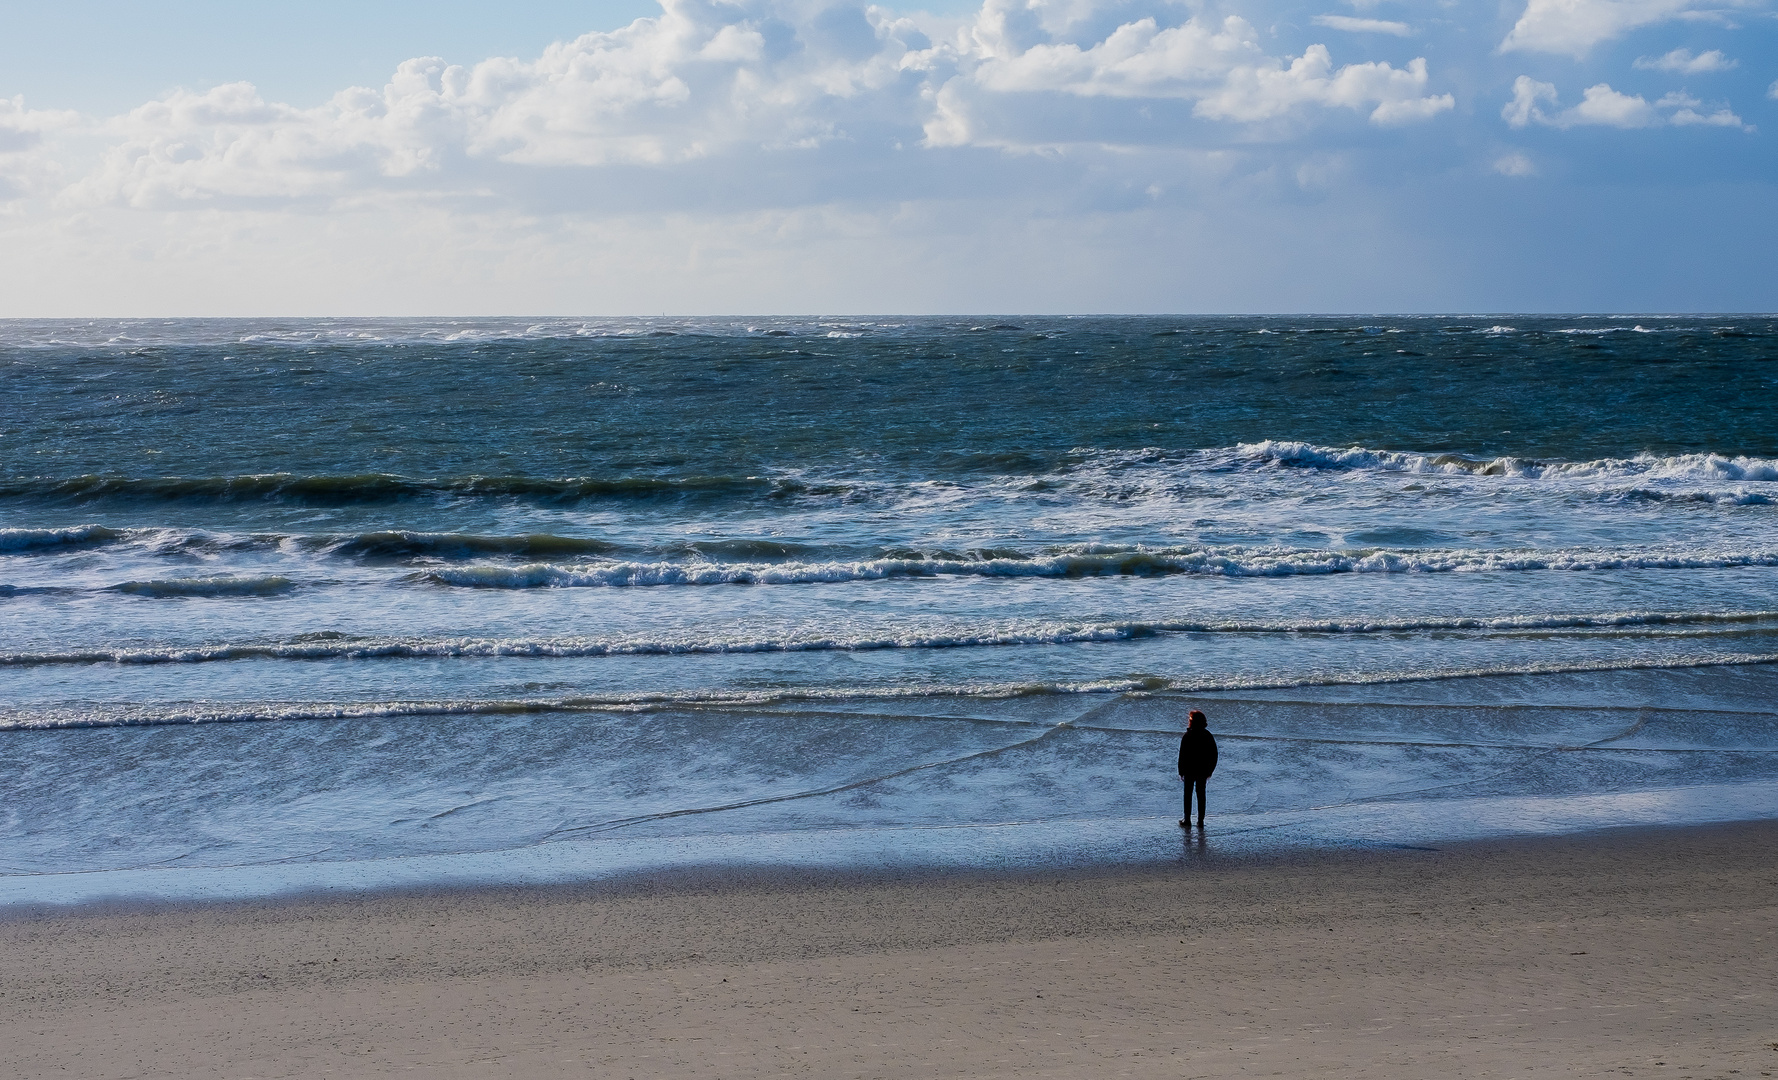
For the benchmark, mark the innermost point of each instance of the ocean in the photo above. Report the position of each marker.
(316, 604)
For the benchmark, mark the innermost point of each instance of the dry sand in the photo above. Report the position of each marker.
(1641, 954)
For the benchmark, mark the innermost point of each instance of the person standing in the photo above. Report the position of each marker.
(1197, 760)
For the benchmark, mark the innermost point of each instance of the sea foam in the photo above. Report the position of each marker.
(1219, 562)
(334, 646)
(91, 715)
(1707, 468)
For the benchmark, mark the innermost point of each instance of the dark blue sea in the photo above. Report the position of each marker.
(308, 604)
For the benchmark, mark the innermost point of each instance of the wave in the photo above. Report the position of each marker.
(388, 487)
(261, 585)
(1638, 328)
(258, 712)
(367, 649)
(335, 646)
(183, 713)
(388, 544)
(405, 544)
(960, 475)
(7, 591)
(307, 333)
(39, 539)
(159, 541)
(1220, 562)
(1709, 468)
(761, 561)
(1707, 497)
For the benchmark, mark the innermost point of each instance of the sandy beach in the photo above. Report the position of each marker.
(1644, 953)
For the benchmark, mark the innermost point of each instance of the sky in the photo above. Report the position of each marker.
(690, 157)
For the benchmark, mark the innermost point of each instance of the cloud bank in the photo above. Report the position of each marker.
(737, 126)
(706, 79)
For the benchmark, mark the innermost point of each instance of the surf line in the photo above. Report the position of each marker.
(557, 835)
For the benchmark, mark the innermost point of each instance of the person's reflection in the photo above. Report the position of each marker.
(1193, 848)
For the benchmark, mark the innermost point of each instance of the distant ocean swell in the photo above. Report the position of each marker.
(334, 646)
(127, 335)
(384, 487)
(107, 714)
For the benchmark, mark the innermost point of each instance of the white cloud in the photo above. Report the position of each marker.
(694, 81)
(709, 78)
(1138, 59)
(1719, 118)
(699, 79)
(1682, 62)
(1599, 105)
(1687, 113)
(1265, 91)
(806, 154)
(1525, 106)
(1220, 67)
(1515, 164)
(1363, 26)
(1772, 91)
(1602, 106)
(27, 161)
(22, 129)
(1575, 26)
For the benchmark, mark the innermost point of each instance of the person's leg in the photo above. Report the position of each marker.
(1200, 786)
(1185, 815)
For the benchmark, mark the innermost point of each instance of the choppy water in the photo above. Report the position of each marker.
(508, 586)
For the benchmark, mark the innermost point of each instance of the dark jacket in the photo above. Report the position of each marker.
(1197, 754)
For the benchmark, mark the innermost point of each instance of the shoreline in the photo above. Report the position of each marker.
(358, 806)
(1617, 949)
(715, 877)
(955, 852)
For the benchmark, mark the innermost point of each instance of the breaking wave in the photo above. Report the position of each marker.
(185, 713)
(335, 646)
(1082, 471)
(38, 539)
(405, 544)
(328, 490)
(265, 585)
(1221, 562)
(1706, 468)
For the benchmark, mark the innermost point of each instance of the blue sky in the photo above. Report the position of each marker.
(827, 156)
(108, 56)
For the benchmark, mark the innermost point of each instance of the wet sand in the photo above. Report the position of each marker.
(1645, 953)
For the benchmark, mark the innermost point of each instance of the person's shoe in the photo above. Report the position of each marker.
(1200, 823)
(1184, 824)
